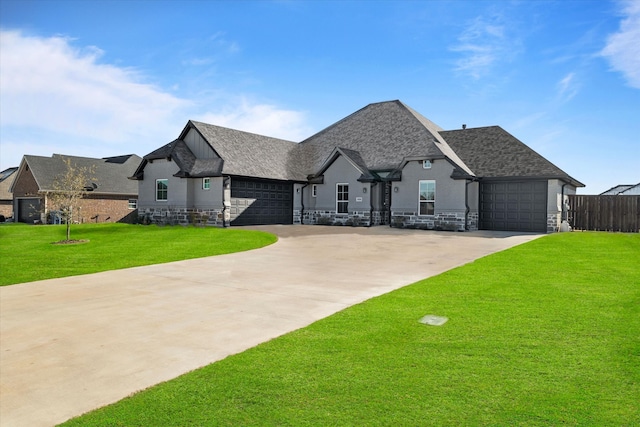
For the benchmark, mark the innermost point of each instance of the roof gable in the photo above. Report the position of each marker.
(189, 166)
(249, 154)
(384, 134)
(492, 152)
(353, 157)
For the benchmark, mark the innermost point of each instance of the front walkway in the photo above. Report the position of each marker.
(70, 345)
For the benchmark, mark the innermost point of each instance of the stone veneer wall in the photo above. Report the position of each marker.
(472, 221)
(181, 216)
(353, 218)
(553, 222)
(449, 221)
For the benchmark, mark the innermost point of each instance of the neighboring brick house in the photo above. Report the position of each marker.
(385, 164)
(112, 198)
(6, 199)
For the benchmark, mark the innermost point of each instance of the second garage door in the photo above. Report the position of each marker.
(513, 206)
(256, 202)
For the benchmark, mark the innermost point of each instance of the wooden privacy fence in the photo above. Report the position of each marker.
(605, 213)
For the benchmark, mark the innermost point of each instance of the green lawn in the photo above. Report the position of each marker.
(543, 334)
(27, 252)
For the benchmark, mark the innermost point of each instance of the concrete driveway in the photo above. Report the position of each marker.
(70, 345)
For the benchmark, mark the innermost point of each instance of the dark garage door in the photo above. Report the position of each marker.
(28, 210)
(513, 206)
(255, 202)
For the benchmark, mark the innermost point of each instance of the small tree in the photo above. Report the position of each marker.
(68, 189)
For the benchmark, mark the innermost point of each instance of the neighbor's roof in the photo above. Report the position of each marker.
(633, 190)
(6, 179)
(384, 134)
(249, 154)
(110, 173)
(622, 189)
(492, 152)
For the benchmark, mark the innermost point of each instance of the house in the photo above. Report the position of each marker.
(112, 196)
(6, 199)
(385, 164)
(623, 190)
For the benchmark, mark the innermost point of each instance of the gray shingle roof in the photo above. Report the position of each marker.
(492, 152)
(619, 189)
(110, 173)
(249, 154)
(6, 179)
(186, 161)
(632, 191)
(384, 134)
(379, 137)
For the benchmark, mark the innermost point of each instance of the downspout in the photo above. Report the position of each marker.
(564, 216)
(373, 184)
(390, 184)
(302, 202)
(466, 204)
(225, 182)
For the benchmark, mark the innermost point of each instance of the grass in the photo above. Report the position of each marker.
(546, 333)
(27, 252)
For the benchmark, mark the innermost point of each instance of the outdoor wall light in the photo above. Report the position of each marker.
(395, 189)
(364, 190)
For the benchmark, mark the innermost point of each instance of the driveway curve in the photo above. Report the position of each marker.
(71, 345)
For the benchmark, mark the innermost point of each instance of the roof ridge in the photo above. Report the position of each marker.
(335, 124)
(194, 122)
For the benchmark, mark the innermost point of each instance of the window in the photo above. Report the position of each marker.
(133, 203)
(427, 198)
(342, 198)
(206, 183)
(162, 186)
(314, 190)
(426, 164)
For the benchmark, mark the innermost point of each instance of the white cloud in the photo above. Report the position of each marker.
(568, 87)
(623, 47)
(484, 43)
(57, 98)
(48, 84)
(529, 120)
(263, 119)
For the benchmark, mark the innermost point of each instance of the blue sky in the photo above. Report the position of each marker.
(103, 78)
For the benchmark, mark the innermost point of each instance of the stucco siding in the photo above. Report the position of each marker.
(177, 187)
(342, 172)
(322, 209)
(449, 207)
(449, 192)
(207, 199)
(557, 205)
